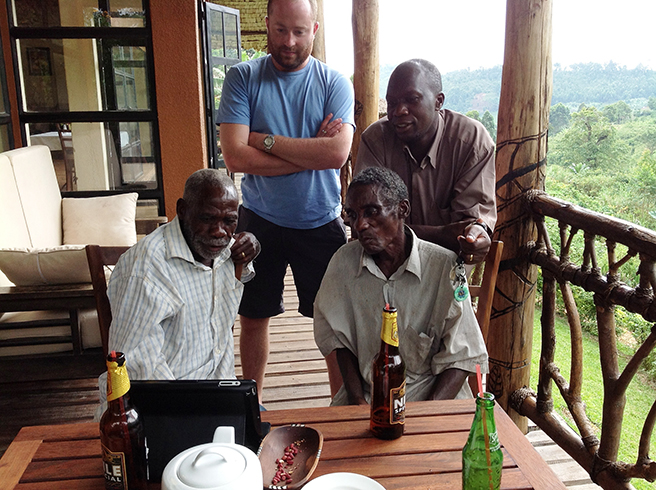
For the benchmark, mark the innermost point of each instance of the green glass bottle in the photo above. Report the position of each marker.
(481, 462)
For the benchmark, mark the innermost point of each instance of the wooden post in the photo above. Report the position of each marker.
(319, 47)
(521, 155)
(366, 74)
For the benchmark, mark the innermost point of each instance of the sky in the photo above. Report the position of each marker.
(461, 34)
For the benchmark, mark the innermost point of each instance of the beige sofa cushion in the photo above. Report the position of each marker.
(106, 220)
(13, 229)
(41, 266)
(39, 194)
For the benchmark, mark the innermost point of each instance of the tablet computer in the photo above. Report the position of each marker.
(181, 414)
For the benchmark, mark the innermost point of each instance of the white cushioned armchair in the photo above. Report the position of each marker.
(43, 260)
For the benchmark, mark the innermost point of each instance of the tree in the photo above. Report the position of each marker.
(618, 113)
(559, 118)
(474, 115)
(646, 174)
(590, 142)
(652, 103)
(490, 125)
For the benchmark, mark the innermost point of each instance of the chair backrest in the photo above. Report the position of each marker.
(485, 290)
(98, 258)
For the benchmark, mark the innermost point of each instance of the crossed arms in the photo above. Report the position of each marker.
(243, 150)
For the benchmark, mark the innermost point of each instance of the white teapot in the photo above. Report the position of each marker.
(218, 465)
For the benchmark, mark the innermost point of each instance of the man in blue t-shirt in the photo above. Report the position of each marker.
(287, 123)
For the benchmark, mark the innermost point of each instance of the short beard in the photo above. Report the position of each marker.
(197, 246)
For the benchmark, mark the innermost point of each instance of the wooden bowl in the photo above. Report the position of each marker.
(307, 441)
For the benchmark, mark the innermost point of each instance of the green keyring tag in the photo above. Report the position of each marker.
(461, 293)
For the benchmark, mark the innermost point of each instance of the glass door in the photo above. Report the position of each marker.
(221, 50)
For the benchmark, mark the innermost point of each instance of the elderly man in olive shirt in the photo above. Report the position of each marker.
(439, 338)
(446, 160)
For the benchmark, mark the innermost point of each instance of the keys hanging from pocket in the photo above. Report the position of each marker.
(459, 277)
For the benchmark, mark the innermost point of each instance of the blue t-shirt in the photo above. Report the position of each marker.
(291, 104)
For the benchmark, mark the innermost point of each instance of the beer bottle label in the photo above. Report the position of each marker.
(397, 405)
(390, 332)
(114, 470)
(118, 381)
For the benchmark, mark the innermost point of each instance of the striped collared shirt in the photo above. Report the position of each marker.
(172, 315)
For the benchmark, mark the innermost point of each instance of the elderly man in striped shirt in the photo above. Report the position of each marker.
(174, 295)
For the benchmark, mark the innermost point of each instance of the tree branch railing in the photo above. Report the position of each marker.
(599, 456)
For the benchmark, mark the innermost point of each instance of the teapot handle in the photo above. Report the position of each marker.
(224, 434)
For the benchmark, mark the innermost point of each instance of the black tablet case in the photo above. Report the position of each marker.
(181, 414)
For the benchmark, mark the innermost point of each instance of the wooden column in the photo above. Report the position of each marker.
(180, 102)
(367, 67)
(521, 155)
(319, 47)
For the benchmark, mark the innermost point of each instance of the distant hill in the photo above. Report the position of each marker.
(589, 83)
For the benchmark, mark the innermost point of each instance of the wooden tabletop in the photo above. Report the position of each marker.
(427, 456)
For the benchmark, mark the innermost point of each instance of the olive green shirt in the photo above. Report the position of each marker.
(436, 332)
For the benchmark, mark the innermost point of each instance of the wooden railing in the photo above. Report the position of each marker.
(599, 456)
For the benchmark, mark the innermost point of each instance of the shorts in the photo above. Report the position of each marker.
(307, 252)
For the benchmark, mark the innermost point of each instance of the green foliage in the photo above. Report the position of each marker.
(488, 121)
(589, 142)
(609, 169)
(474, 115)
(603, 84)
(618, 113)
(651, 103)
(639, 134)
(559, 118)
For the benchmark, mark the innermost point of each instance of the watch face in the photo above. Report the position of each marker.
(269, 141)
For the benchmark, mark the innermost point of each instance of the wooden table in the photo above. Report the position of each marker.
(427, 456)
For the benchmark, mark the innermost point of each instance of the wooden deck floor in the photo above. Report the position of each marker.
(296, 374)
(63, 389)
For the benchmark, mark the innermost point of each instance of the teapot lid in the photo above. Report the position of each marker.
(212, 467)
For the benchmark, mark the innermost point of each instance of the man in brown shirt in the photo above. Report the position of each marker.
(446, 160)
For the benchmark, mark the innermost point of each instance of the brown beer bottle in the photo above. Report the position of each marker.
(388, 382)
(121, 432)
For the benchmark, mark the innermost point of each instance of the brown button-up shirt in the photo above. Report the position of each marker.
(454, 182)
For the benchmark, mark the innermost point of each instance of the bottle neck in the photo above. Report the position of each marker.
(389, 333)
(484, 416)
(118, 381)
(485, 401)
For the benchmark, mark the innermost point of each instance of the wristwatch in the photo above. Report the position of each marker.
(269, 141)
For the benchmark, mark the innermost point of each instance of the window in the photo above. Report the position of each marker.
(86, 90)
